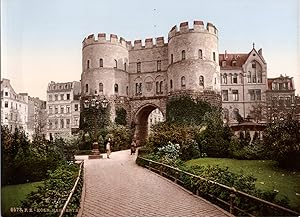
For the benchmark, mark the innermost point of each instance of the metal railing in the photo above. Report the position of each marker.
(72, 191)
(201, 189)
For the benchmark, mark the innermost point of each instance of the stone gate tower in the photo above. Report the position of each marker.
(143, 76)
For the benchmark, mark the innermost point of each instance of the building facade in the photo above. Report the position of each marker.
(155, 117)
(63, 109)
(14, 107)
(140, 77)
(37, 117)
(244, 85)
(281, 99)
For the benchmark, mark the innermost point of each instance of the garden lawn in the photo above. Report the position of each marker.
(12, 195)
(269, 177)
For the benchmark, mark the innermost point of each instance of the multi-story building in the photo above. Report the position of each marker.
(63, 109)
(281, 97)
(244, 85)
(37, 116)
(14, 107)
(155, 117)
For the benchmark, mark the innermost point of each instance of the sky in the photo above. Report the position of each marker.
(41, 40)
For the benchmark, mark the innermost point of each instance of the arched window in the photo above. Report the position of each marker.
(101, 63)
(259, 77)
(86, 88)
(161, 87)
(214, 56)
(125, 66)
(201, 81)
(225, 78)
(101, 88)
(88, 64)
(249, 77)
(127, 90)
(116, 88)
(157, 87)
(183, 85)
(171, 84)
(158, 65)
(235, 80)
(138, 67)
(183, 55)
(116, 64)
(171, 58)
(200, 54)
(254, 77)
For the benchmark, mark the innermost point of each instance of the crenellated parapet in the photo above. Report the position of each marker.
(101, 39)
(198, 26)
(148, 43)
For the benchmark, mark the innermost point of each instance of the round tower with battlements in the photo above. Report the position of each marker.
(105, 68)
(193, 59)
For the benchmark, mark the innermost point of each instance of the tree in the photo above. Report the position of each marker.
(215, 139)
(282, 140)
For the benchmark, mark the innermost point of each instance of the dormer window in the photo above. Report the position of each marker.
(224, 63)
(234, 63)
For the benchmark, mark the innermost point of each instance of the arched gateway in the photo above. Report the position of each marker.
(140, 112)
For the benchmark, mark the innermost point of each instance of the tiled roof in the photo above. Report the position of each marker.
(232, 61)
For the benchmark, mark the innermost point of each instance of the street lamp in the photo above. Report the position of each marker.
(95, 103)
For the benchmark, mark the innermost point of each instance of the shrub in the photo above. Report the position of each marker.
(170, 151)
(54, 192)
(121, 137)
(164, 133)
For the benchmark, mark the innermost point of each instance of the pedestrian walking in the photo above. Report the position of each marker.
(133, 147)
(108, 148)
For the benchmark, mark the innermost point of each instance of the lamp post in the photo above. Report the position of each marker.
(95, 103)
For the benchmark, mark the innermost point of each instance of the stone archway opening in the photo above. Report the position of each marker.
(144, 118)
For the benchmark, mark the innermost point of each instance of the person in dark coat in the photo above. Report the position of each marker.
(133, 147)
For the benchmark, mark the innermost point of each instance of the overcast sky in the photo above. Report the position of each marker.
(41, 39)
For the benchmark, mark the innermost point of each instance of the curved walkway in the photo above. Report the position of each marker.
(118, 187)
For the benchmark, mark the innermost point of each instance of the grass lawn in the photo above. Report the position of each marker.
(269, 177)
(12, 195)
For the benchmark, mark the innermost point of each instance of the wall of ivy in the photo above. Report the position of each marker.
(94, 119)
(186, 110)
